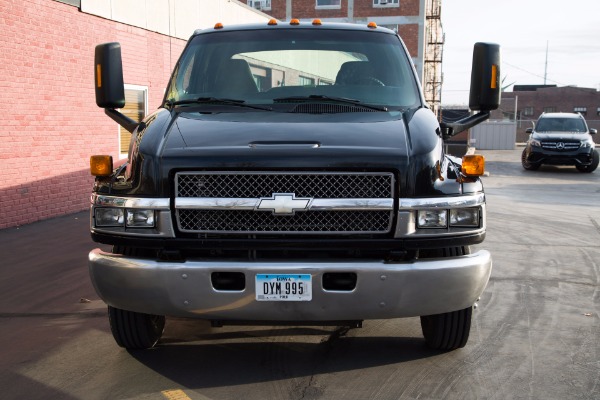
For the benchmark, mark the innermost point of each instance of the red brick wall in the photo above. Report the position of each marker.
(305, 9)
(51, 124)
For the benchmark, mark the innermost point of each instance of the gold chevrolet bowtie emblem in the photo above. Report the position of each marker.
(283, 204)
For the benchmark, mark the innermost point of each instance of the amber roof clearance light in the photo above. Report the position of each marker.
(372, 25)
(272, 22)
(317, 21)
(218, 25)
(295, 21)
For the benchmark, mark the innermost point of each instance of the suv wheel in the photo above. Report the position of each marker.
(592, 167)
(447, 331)
(526, 164)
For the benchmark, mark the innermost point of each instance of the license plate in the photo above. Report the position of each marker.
(283, 287)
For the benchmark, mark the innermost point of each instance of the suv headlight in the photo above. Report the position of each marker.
(587, 144)
(535, 143)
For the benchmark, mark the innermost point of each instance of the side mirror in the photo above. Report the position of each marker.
(108, 73)
(485, 77)
(529, 130)
(593, 131)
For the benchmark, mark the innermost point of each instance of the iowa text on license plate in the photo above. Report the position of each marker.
(283, 287)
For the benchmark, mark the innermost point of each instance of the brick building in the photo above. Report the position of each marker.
(417, 21)
(533, 100)
(51, 124)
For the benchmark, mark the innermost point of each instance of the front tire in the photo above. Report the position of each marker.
(529, 166)
(133, 330)
(447, 331)
(592, 167)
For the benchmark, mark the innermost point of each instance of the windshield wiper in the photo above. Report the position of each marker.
(215, 100)
(343, 100)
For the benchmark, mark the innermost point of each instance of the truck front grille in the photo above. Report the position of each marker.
(336, 202)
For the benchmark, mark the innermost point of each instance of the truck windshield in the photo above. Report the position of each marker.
(289, 65)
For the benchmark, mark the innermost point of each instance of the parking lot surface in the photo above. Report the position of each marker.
(535, 333)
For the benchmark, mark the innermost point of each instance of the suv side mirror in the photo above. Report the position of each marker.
(593, 131)
(108, 73)
(529, 130)
(485, 77)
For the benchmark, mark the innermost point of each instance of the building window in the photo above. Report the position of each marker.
(528, 111)
(306, 81)
(580, 110)
(260, 4)
(386, 3)
(332, 4)
(136, 105)
(549, 109)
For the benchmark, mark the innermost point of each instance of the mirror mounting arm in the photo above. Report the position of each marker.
(450, 129)
(121, 119)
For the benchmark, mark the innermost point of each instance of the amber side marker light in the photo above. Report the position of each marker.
(218, 25)
(98, 75)
(101, 165)
(473, 165)
(295, 21)
(494, 80)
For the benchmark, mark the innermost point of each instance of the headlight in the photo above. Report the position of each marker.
(535, 143)
(110, 217)
(464, 217)
(130, 218)
(432, 219)
(586, 144)
(140, 218)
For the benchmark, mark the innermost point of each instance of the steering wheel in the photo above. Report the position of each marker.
(370, 80)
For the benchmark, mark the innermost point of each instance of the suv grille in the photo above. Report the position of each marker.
(560, 145)
(218, 188)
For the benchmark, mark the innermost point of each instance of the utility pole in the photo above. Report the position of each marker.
(546, 64)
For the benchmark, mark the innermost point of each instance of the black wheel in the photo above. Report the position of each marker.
(592, 167)
(133, 330)
(447, 331)
(526, 164)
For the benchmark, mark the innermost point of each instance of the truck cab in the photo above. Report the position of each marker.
(293, 174)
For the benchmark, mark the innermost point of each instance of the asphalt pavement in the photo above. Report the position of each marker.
(535, 334)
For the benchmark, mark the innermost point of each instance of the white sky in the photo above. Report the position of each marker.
(522, 28)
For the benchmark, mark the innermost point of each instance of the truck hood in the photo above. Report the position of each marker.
(283, 140)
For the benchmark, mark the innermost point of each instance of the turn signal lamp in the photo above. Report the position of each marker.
(473, 165)
(494, 81)
(372, 25)
(101, 165)
(295, 21)
(218, 25)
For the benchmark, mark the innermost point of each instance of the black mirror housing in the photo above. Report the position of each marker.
(485, 77)
(529, 130)
(108, 74)
(593, 131)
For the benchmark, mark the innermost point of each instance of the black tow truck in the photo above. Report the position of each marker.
(293, 174)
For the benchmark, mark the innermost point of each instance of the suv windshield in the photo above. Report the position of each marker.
(561, 125)
(294, 65)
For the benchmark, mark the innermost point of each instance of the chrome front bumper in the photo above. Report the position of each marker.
(383, 290)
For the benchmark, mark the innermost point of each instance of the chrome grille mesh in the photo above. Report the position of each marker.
(260, 185)
(315, 221)
(324, 186)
